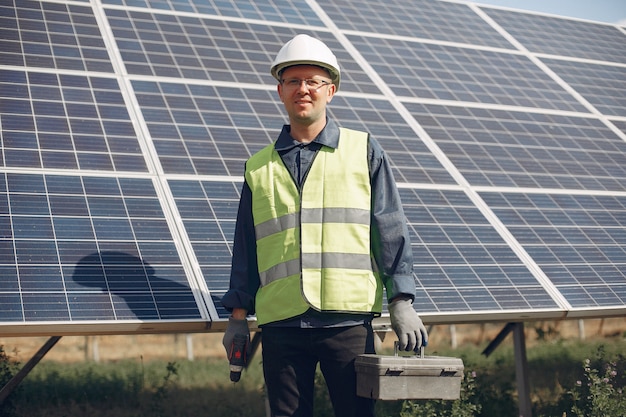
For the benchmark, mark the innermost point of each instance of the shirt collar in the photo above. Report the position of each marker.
(329, 136)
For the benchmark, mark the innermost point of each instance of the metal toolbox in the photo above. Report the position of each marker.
(408, 377)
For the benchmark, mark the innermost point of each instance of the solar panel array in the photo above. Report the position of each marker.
(125, 125)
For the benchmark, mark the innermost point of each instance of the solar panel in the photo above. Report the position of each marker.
(79, 248)
(423, 19)
(513, 149)
(425, 71)
(563, 37)
(578, 240)
(125, 126)
(52, 35)
(462, 263)
(62, 121)
(603, 86)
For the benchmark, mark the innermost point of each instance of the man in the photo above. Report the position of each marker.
(320, 231)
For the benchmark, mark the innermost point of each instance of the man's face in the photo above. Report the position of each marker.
(305, 105)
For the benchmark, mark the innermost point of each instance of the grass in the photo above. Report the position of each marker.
(158, 388)
(132, 388)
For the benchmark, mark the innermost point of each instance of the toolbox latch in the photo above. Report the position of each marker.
(394, 370)
(448, 372)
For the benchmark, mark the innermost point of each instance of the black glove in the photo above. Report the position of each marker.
(412, 334)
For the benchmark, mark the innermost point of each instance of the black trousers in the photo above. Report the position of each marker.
(290, 358)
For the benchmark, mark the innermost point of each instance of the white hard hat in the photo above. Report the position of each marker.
(306, 50)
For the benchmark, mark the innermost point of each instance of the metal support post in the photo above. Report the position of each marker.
(22, 373)
(521, 371)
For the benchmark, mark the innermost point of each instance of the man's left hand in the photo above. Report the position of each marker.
(412, 334)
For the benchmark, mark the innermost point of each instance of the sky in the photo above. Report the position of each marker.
(609, 11)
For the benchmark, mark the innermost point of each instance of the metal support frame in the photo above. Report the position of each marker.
(521, 371)
(22, 373)
(521, 364)
(254, 346)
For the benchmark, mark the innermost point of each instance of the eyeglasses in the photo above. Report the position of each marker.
(312, 84)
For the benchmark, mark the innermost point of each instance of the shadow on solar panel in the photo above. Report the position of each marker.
(110, 285)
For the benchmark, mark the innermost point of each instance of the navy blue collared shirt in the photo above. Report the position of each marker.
(389, 233)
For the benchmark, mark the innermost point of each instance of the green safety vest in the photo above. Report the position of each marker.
(313, 246)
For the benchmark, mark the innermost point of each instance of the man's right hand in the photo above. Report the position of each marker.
(236, 327)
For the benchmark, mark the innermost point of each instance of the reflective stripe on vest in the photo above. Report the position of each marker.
(313, 249)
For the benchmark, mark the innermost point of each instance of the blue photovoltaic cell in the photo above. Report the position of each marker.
(88, 248)
(410, 159)
(564, 37)
(514, 149)
(60, 121)
(168, 45)
(579, 241)
(417, 19)
(427, 71)
(51, 35)
(461, 262)
(205, 130)
(603, 86)
(620, 125)
(286, 11)
(208, 211)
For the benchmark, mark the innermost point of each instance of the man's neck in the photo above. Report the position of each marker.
(306, 133)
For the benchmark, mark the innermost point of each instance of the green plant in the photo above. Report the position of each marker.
(465, 406)
(162, 390)
(8, 369)
(602, 394)
(549, 333)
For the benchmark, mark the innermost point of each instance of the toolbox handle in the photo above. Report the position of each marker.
(396, 349)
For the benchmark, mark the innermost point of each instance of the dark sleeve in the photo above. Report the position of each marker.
(391, 244)
(244, 273)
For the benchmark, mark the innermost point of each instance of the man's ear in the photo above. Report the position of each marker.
(279, 88)
(332, 89)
